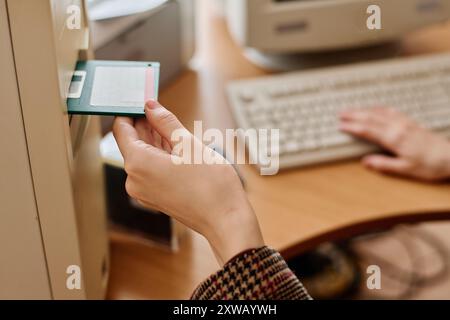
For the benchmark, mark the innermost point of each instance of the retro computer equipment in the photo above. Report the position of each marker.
(304, 104)
(292, 26)
(53, 239)
(123, 35)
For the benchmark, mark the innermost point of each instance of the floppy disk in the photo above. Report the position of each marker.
(114, 88)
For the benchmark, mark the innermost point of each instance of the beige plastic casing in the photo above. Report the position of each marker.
(52, 208)
(301, 26)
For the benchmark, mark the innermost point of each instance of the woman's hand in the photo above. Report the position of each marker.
(207, 198)
(417, 152)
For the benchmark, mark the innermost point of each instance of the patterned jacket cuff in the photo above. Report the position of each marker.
(258, 274)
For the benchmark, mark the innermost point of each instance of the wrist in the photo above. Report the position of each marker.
(237, 231)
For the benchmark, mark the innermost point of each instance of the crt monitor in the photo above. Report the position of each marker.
(297, 26)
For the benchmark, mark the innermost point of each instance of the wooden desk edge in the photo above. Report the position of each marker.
(360, 228)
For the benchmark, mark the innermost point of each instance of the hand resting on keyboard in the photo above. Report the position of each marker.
(416, 152)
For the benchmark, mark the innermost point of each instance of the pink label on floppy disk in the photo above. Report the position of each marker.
(149, 84)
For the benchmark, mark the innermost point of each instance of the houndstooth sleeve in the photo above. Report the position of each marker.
(260, 274)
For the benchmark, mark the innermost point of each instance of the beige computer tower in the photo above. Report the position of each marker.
(52, 212)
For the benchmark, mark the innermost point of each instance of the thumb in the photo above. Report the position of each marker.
(162, 120)
(125, 135)
(387, 164)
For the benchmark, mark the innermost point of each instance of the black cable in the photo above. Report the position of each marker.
(393, 272)
(412, 279)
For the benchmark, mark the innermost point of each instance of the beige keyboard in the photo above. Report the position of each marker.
(305, 105)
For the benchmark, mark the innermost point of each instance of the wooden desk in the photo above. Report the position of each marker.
(297, 209)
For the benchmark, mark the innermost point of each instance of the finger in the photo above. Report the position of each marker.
(387, 164)
(347, 115)
(157, 139)
(389, 112)
(374, 125)
(125, 134)
(374, 115)
(166, 146)
(162, 120)
(144, 131)
(364, 131)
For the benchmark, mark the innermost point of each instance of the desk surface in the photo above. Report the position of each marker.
(297, 209)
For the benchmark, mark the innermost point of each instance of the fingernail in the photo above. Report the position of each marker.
(368, 162)
(345, 113)
(151, 105)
